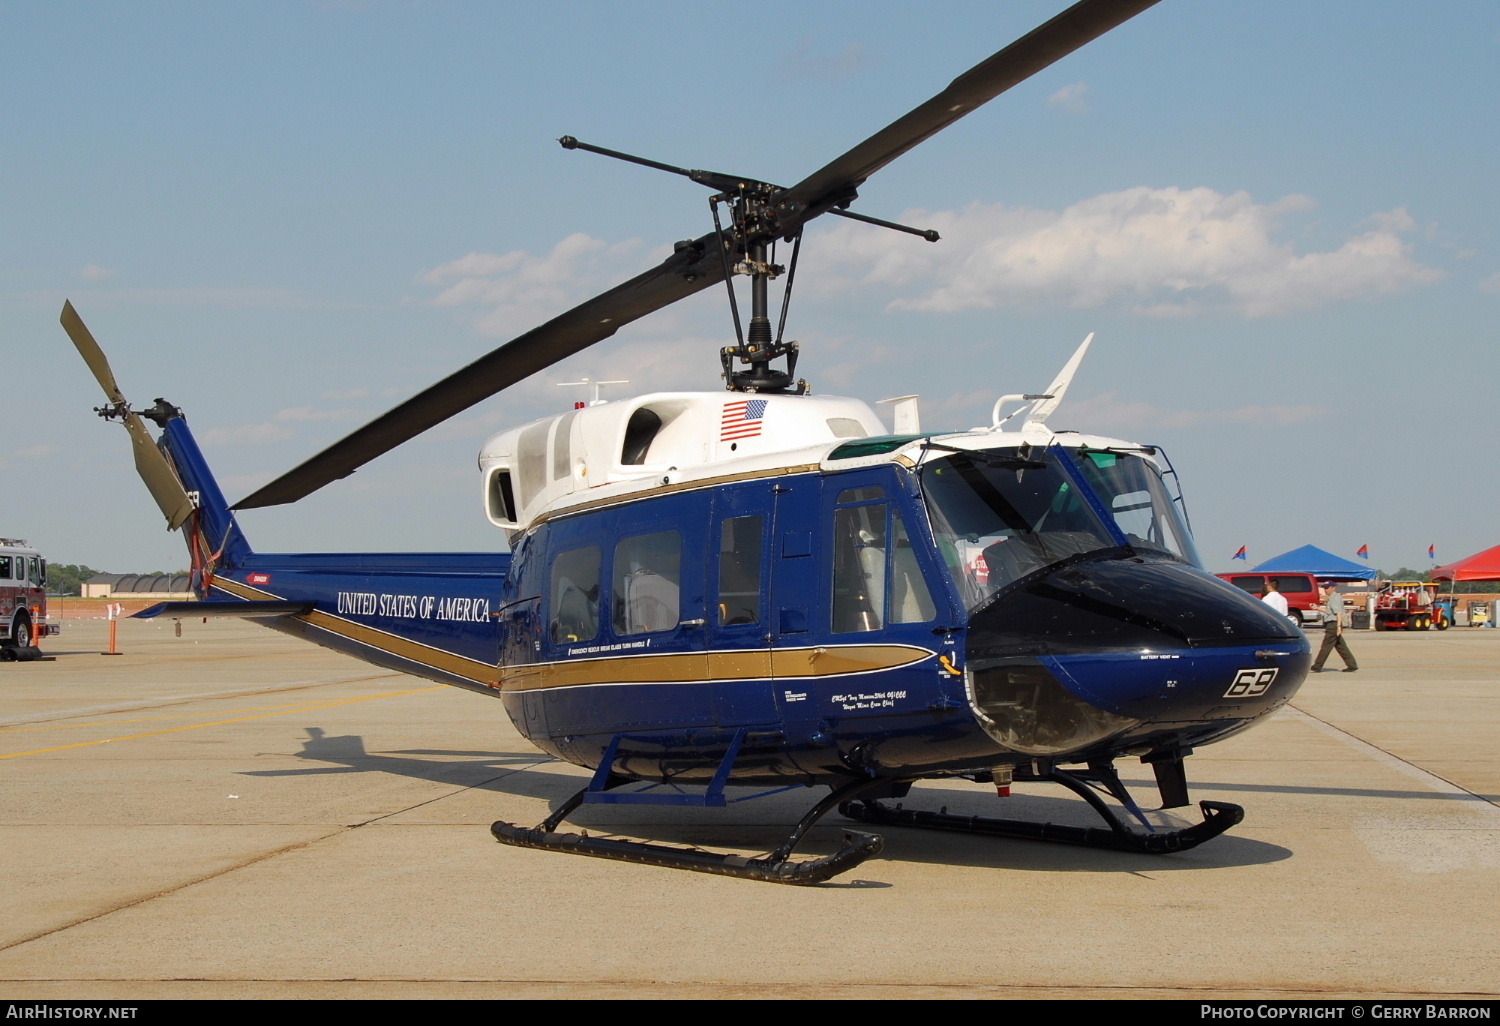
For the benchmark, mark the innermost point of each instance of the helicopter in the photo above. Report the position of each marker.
(764, 587)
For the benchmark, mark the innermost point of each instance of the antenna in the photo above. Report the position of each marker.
(1054, 396)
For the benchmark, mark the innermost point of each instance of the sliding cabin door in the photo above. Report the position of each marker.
(738, 607)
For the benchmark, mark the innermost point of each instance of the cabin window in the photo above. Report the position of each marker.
(575, 595)
(876, 576)
(911, 602)
(640, 432)
(562, 447)
(36, 570)
(859, 545)
(502, 497)
(846, 427)
(647, 583)
(739, 570)
(869, 493)
(5, 566)
(531, 460)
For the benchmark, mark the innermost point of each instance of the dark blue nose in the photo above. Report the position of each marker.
(1125, 648)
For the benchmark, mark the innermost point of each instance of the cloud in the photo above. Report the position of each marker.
(522, 289)
(1173, 251)
(39, 451)
(806, 62)
(1397, 220)
(94, 272)
(1107, 412)
(230, 298)
(1491, 284)
(278, 428)
(1070, 98)
(264, 433)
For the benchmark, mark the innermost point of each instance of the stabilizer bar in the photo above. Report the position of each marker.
(247, 610)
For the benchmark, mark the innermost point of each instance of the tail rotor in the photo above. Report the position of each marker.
(155, 469)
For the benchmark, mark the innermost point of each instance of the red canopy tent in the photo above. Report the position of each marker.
(1482, 566)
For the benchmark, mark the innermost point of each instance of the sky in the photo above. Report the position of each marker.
(287, 216)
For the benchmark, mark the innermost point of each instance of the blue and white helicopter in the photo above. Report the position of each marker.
(765, 587)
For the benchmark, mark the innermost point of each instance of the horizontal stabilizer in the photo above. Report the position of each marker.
(249, 610)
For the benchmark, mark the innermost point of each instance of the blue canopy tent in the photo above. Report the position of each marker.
(1310, 559)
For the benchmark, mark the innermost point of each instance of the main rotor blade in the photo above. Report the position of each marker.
(1079, 24)
(161, 480)
(92, 355)
(691, 269)
(699, 266)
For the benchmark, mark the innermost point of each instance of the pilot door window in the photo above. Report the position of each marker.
(575, 596)
(876, 577)
(647, 583)
(739, 570)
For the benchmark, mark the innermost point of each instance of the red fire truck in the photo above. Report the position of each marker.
(1411, 606)
(23, 599)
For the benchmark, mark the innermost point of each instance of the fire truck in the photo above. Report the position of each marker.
(23, 600)
(1411, 606)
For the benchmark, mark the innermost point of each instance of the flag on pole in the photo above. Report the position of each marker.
(1241, 554)
(1432, 552)
(1364, 552)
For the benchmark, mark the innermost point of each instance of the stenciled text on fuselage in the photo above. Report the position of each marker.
(414, 607)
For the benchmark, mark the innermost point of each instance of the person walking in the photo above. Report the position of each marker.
(1273, 597)
(1333, 632)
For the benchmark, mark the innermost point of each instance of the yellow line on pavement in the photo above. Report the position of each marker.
(288, 706)
(217, 723)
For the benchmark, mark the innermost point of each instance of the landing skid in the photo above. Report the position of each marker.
(1217, 818)
(777, 867)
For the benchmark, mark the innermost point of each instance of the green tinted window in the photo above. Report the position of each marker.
(872, 446)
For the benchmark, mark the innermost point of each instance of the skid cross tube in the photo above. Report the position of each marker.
(777, 867)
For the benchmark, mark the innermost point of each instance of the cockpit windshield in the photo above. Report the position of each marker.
(1131, 488)
(1000, 514)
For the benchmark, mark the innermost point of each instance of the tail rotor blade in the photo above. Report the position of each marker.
(91, 353)
(153, 466)
(161, 480)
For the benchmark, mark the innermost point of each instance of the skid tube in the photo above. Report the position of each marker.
(1217, 818)
(777, 867)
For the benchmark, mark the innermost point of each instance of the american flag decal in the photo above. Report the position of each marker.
(742, 419)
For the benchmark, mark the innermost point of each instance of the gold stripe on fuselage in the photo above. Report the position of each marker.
(385, 641)
(699, 667)
(667, 668)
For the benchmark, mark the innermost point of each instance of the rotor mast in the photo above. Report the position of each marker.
(757, 220)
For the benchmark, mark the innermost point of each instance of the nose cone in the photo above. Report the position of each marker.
(1128, 648)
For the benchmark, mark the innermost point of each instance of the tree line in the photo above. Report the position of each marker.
(68, 578)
